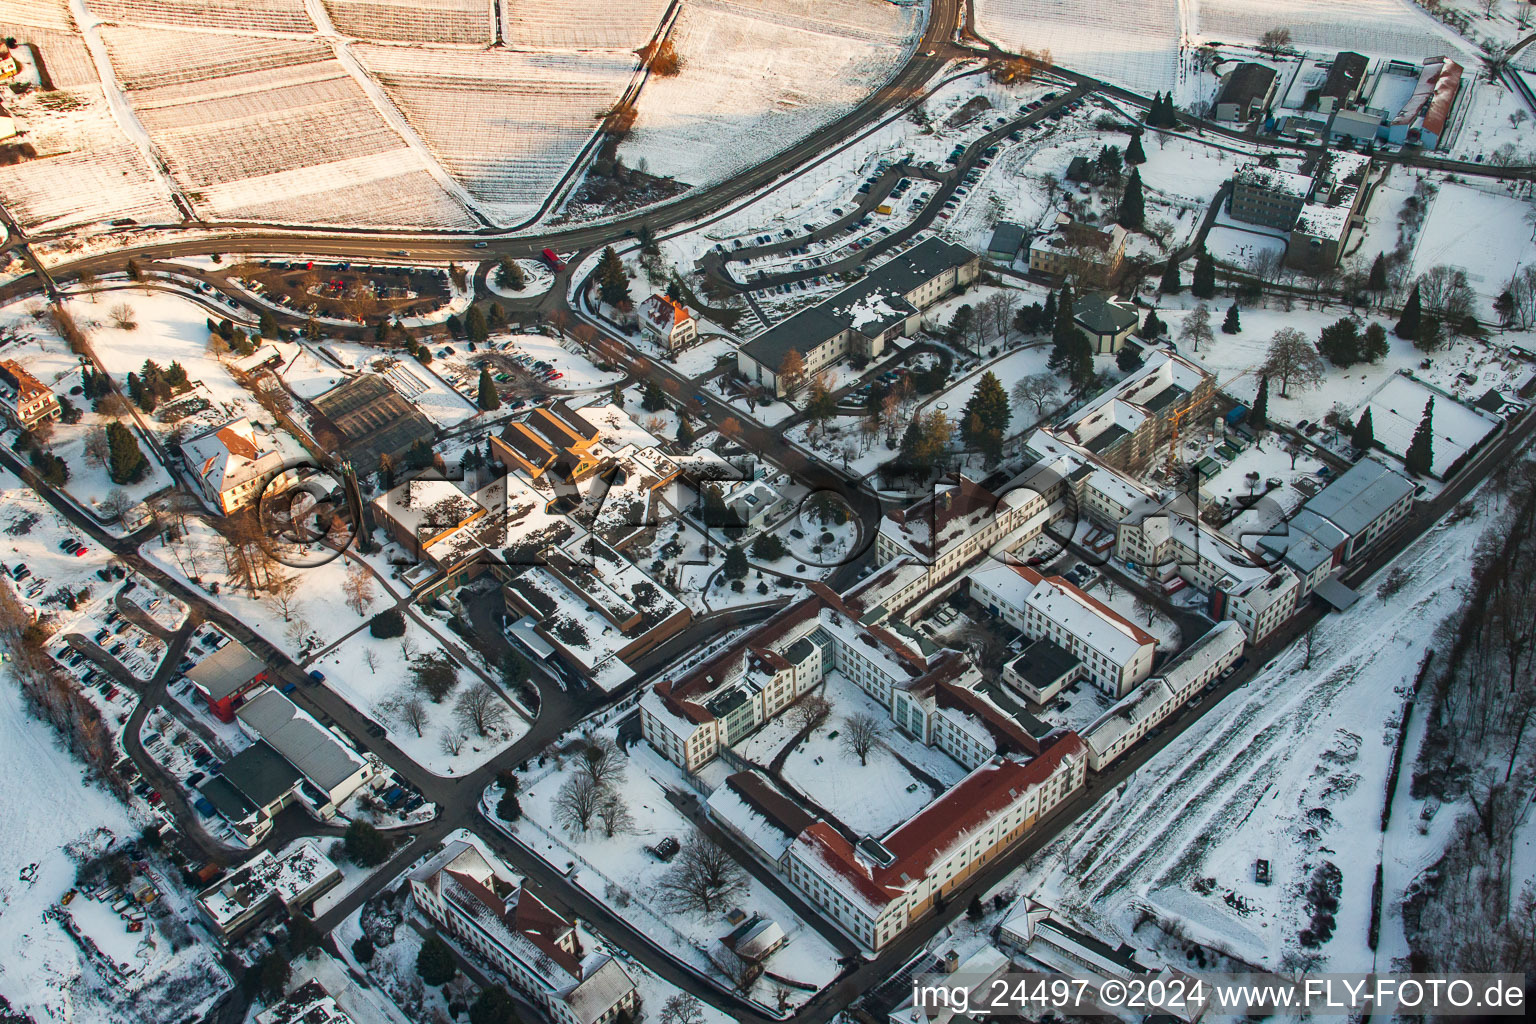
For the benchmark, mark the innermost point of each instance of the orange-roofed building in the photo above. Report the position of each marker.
(875, 888)
(668, 323)
(231, 465)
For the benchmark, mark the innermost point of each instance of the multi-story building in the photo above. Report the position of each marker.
(861, 321)
(1106, 320)
(499, 918)
(1128, 425)
(1138, 712)
(1269, 196)
(554, 437)
(246, 896)
(1245, 92)
(25, 400)
(1322, 229)
(668, 323)
(1079, 251)
(1114, 653)
(1340, 521)
(875, 888)
(232, 467)
(224, 677)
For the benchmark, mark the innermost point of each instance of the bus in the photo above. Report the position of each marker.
(555, 262)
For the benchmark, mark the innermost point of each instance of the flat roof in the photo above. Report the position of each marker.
(1100, 315)
(260, 774)
(305, 743)
(1007, 237)
(1360, 496)
(1044, 661)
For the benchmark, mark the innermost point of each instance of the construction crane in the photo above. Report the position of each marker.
(1178, 418)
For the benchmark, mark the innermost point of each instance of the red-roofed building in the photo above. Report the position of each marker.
(501, 920)
(875, 888)
(231, 466)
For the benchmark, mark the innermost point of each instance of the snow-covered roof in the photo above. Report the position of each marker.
(428, 509)
(226, 671)
(264, 876)
(229, 455)
(306, 744)
(1273, 179)
(1093, 623)
(1321, 220)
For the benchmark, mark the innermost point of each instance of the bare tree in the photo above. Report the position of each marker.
(1197, 327)
(613, 815)
(479, 708)
(1293, 360)
(283, 588)
(123, 317)
(601, 761)
(371, 659)
(1144, 609)
(451, 742)
(577, 801)
(1036, 389)
(810, 710)
(413, 712)
(705, 878)
(358, 587)
(1275, 42)
(116, 505)
(681, 1008)
(860, 734)
(1445, 290)
(297, 632)
(96, 447)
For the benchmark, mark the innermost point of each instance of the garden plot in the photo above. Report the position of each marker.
(1291, 768)
(467, 22)
(1389, 28)
(754, 79)
(623, 874)
(424, 389)
(291, 138)
(239, 15)
(1137, 47)
(569, 24)
(86, 168)
(506, 124)
(1487, 234)
(375, 677)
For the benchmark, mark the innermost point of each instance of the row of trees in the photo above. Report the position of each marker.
(1472, 911)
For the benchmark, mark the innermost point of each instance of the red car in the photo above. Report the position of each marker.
(154, 797)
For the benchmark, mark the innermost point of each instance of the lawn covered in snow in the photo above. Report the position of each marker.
(621, 873)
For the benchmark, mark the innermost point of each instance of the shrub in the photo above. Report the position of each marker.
(388, 624)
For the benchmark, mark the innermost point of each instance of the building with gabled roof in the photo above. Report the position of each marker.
(1126, 426)
(333, 768)
(25, 400)
(1072, 249)
(875, 888)
(668, 323)
(1115, 653)
(224, 677)
(232, 466)
(497, 916)
(1245, 92)
(864, 319)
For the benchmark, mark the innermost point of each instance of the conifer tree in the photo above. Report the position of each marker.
(1364, 434)
(489, 398)
(1170, 284)
(1421, 456)
(1134, 154)
(1408, 324)
(1133, 209)
(1258, 416)
(1232, 323)
(1203, 285)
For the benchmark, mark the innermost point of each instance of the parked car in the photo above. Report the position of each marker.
(316, 676)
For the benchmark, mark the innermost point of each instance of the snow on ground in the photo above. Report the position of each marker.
(1482, 230)
(872, 798)
(45, 973)
(375, 677)
(1290, 768)
(424, 389)
(1397, 408)
(579, 372)
(1394, 28)
(620, 872)
(1135, 47)
(317, 615)
(537, 277)
(755, 79)
(1237, 358)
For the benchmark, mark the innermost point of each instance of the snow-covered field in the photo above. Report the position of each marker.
(44, 972)
(1291, 769)
(1484, 231)
(1136, 46)
(374, 676)
(758, 76)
